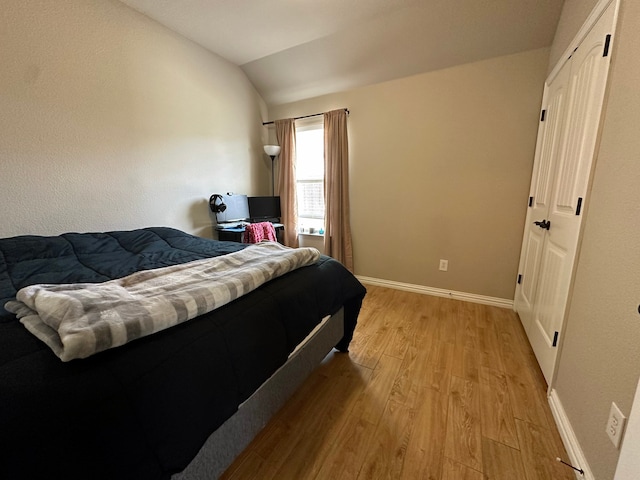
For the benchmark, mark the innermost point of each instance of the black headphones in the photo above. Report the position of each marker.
(217, 207)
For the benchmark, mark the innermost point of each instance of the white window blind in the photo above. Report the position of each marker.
(310, 175)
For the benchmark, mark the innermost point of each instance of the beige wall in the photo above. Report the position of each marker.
(600, 358)
(108, 120)
(440, 168)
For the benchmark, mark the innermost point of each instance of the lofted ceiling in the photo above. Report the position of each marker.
(297, 49)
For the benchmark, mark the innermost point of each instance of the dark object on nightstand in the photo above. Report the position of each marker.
(216, 203)
(264, 209)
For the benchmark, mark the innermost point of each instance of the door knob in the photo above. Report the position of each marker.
(546, 224)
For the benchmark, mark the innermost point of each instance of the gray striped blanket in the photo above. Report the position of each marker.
(78, 320)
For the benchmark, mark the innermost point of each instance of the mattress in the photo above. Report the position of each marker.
(143, 410)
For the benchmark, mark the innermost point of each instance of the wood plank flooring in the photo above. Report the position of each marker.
(432, 388)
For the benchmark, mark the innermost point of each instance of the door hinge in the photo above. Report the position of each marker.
(607, 43)
(531, 201)
(579, 207)
(542, 115)
(519, 278)
(555, 339)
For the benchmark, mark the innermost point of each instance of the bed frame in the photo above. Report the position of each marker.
(227, 442)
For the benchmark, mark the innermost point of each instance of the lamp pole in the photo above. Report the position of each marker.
(273, 185)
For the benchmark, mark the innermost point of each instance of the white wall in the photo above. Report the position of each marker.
(629, 463)
(110, 121)
(600, 358)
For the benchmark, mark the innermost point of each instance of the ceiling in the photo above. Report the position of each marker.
(297, 49)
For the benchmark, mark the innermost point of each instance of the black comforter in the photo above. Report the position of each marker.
(143, 410)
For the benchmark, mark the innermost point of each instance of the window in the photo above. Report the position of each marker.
(310, 176)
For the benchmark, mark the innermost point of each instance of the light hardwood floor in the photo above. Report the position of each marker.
(432, 388)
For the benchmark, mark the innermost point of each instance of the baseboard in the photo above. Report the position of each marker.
(438, 292)
(571, 444)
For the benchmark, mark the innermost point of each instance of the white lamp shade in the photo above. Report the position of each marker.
(272, 150)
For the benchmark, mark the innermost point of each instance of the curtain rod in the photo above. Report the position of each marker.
(305, 116)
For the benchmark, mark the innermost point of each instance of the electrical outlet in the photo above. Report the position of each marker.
(615, 425)
(444, 265)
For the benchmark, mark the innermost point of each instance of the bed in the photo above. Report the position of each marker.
(180, 403)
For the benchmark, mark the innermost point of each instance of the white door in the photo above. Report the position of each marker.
(551, 248)
(550, 138)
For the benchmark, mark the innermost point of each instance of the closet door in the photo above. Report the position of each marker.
(550, 136)
(542, 302)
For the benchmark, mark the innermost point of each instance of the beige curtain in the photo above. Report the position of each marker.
(337, 234)
(286, 135)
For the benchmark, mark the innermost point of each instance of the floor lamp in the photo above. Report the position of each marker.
(272, 151)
